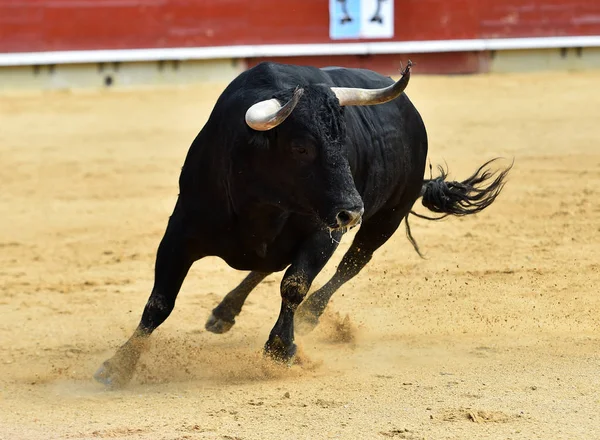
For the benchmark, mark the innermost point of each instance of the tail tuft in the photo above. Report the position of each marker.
(463, 198)
(460, 198)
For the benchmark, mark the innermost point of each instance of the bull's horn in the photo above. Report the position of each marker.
(352, 96)
(265, 115)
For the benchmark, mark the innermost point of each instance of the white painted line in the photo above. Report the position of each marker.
(282, 50)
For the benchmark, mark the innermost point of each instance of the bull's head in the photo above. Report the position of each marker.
(305, 167)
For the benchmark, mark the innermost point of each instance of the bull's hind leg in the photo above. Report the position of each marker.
(223, 316)
(309, 261)
(372, 234)
(175, 255)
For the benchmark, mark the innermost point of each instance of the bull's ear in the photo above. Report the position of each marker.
(355, 96)
(268, 114)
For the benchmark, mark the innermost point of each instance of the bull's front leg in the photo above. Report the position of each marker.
(176, 253)
(307, 264)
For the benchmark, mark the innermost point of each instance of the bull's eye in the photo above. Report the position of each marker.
(303, 152)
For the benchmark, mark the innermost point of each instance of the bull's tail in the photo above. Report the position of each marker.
(459, 198)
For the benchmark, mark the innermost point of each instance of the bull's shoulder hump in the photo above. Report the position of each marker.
(268, 77)
(280, 71)
(355, 77)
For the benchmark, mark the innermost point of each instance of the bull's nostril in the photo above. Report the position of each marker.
(344, 218)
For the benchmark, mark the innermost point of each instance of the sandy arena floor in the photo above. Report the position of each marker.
(496, 335)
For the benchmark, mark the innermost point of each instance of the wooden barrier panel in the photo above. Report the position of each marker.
(50, 25)
(535, 18)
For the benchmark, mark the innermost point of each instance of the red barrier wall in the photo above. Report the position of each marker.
(46, 25)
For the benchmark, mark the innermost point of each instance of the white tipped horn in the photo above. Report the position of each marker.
(268, 114)
(355, 96)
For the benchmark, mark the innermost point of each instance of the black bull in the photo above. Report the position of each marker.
(282, 193)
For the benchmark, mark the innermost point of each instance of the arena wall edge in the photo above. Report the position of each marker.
(182, 72)
(83, 43)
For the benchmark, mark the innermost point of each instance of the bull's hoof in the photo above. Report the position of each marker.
(113, 375)
(305, 321)
(218, 325)
(279, 352)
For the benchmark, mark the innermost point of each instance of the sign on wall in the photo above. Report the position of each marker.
(351, 19)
